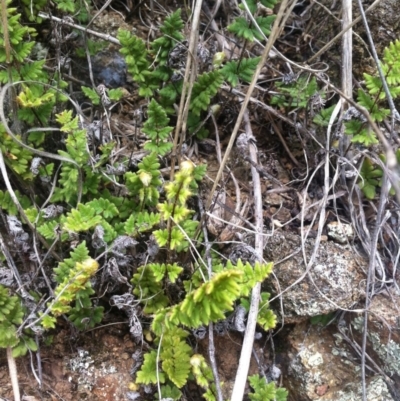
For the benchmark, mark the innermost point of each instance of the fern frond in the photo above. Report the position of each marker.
(204, 90)
(135, 52)
(243, 69)
(145, 181)
(149, 290)
(148, 372)
(103, 207)
(264, 391)
(209, 302)
(172, 35)
(157, 130)
(141, 222)
(175, 355)
(82, 219)
(248, 31)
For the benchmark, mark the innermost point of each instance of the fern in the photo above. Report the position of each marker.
(77, 150)
(7, 204)
(204, 90)
(149, 290)
(175, 356)
(248, 31)
(91, 94)
(74, 290)
(170, 392)
(162, 270)
(203, 376)
(75, 286)
(172, 35)
(140, 222)
(209, 302)
(145, 181)
(175, 209)
(18, 37)
(135, 52)
(49, 230)
(252, 5)
(82, 219)
(148, 371)
(296, 94)
(16, 157)
(157, 130)
(264, 391)
(373, 99)
(243, 69)
(371, 175)
(250, 275)
(11, 316)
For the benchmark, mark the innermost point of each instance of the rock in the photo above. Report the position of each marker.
(340, 232)
(109, 68)
(383, 335)
(320, 368)
(333, 281)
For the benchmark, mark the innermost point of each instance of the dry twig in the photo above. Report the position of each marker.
(245, 356)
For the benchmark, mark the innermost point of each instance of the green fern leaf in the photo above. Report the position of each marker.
(172, 35)
(79, 254)
(148, 372)
(175, 356)
(243, 69)
(161, 237)
(24, 345)
(91, 94)
(149, 290)
(141, 222)
(160, 270)
(264, 23)
(170, 392)
(210, 301)
(169, 210)
(104, 207)
(204, 90)
(266, 317)
(241, 28)
(162, 148)
(7, 204)
(177, 238)
(49, 230)
(33, 71)
(82, 219)
(109, 232)
(135, 52)
(264, 391)
(157, 130)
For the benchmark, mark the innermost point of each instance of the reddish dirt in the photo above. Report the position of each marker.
(95, 367)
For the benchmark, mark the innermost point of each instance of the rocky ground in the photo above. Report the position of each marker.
(316, 345)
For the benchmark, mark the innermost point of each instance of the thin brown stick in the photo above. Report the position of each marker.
(278, 132)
